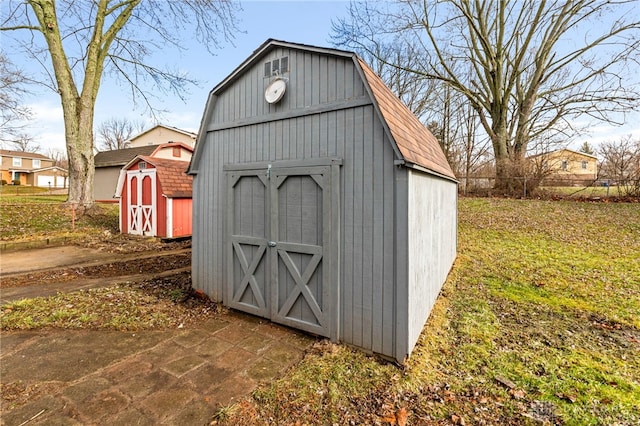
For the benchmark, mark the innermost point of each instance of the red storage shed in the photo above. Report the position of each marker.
(155, 197)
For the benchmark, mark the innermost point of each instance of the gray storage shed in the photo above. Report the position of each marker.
(320, 201)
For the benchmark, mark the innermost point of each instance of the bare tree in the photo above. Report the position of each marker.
(13, 113)
(24, 143)
(535, 67)
(621, 163)
(115, 133)
(417, 93)
(84, 40)
(58, 157)
(423, 96)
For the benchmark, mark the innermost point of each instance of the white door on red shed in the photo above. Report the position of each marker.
(141, 194)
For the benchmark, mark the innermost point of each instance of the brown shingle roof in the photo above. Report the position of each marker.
(120, 157)
(415, 142)
(174, 181)
(22, 154)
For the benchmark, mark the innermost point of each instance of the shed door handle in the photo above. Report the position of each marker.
(271, 243)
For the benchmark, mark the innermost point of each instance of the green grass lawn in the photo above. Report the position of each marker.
(20, 190)
(582, 191)
(539, 321)
(39, 215)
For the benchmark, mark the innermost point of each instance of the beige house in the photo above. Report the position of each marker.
(566, 167)
(162, 134)
(32, 169)
(109, 163)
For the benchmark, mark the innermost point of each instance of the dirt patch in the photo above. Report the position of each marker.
(143, 265)
(125, 243)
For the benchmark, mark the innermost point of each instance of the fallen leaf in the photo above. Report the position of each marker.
(391, 419)
(458, 420)
(401, 416)
(517, 393)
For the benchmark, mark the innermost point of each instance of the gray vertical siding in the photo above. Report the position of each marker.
(432, 241)
(106, 180)
(241, 129)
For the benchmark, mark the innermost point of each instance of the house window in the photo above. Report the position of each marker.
(36, 164)
(177, 151)
(142, 165)
(17, 162)
(565, 164)
(584, 165)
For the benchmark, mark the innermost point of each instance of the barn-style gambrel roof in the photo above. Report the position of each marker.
(414, 144)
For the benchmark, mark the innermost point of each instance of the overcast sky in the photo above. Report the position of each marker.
(307, 22)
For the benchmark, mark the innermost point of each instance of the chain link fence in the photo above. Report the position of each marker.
(530, 186)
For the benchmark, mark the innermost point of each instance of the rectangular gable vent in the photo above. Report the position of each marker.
(142, 165)
(276, 67)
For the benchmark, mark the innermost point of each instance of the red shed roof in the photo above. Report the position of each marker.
(172, 175)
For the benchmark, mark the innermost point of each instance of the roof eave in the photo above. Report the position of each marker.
(423, 169)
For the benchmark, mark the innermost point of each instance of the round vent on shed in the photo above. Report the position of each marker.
(275, 90)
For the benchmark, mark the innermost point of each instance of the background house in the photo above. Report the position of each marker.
(109, 163)
(27, 168)
(160, 134)
(565, 167)
(320, 201)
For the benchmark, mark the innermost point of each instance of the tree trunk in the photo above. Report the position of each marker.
(78, 119)
(510, 162)
(511, 172)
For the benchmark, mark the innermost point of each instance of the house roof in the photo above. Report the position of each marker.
(413, 143)
(174, 181)
(120, 157)
(191, 135)
(584, 154)
(45, 169)
(22, 154)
